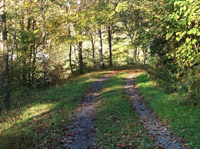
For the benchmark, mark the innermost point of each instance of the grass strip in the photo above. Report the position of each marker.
(183, 119)
(118, 125)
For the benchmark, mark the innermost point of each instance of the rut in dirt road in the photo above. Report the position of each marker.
(163, 137)
(81, 132)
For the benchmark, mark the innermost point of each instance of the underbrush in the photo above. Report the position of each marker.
(182, 118)
(118, 124)
(172, 80)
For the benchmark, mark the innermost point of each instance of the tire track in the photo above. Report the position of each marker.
(161, 134)
(81, 131)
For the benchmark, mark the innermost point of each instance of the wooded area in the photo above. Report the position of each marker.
(45, 42)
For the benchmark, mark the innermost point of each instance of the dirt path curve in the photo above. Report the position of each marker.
(161, 134)
(81, 131)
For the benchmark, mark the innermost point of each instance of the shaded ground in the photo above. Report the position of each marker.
(42, 120)
(160, 133)
(81, 131)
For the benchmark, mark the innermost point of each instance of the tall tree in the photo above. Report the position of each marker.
(93, 45)
(6, 94)
(42, 3)
(80, 56)
(110, 45)
(70, 51)
(101, 63)
(69, 33)
(13, 44)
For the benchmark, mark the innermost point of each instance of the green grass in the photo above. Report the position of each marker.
(183, 119)
(42, 122)
(118, 124)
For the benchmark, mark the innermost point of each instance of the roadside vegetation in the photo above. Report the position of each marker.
(172, 108)
(41, 121)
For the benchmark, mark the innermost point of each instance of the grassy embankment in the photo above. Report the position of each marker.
(183, 119)
(41, 120)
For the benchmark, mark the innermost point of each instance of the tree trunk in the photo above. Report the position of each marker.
(43, 40)
(138, 54)
(133, 37)
(29, 71)
(101, 64)
(70, 58)
(14, 47)
(70, 51)
(34, 64)
(75, 52)
(145, 56)
(80, 56)
(135, 54)
(22, 22)
(110, 45)
(29, 24)
(23, 54)
(93, 47)
(5, 79)
(34, 52)
(30, 54)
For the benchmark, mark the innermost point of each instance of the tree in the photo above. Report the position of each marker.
(42, 7)
(93, 45)
(5, 77)
(110, 45)
(80, 56)
(101, 63)
(70, 51)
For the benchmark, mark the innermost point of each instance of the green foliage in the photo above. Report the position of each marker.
(184, 29)
(165, 77)
(122, 6)
(175, 48)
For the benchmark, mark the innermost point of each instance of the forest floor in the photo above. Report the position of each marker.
(105, 109)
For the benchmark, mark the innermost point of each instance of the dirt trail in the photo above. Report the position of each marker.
(161, 134)
(81, 131)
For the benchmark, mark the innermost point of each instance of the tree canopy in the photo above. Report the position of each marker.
(49, 40)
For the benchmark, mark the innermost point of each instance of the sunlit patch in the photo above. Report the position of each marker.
(42, 119)
(27, 114)
(110, 89)
(183, 119)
